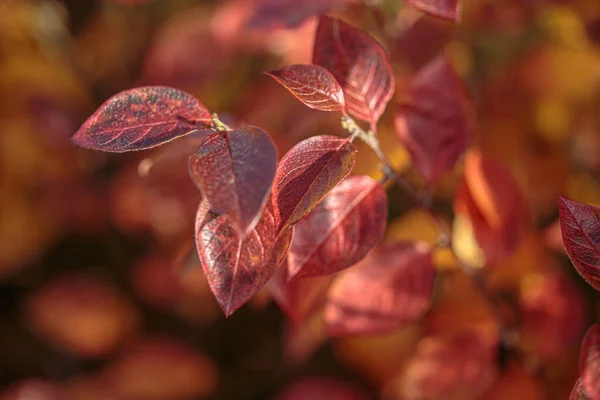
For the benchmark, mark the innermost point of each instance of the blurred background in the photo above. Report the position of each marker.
(101, 294)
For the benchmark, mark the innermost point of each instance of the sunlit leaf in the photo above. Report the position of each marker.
(578, 392)
(589, 362)
(237, 269)
(580, 227)
(311, 84)
(234, 170)
(390, 288)
(491, 199)
(447, 9)
(340, 230)
(359, 64)
(436, 124)
(141, 118)
(306, 173)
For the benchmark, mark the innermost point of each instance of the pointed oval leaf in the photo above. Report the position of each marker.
(141, 118)
(311, 84)
(447, 9)
(392, 287)
(234, 170)
(589, 362)
(340, 231)
(580, 227)
(359, 64)
(437, 123)
(236, 269)
(306, 173)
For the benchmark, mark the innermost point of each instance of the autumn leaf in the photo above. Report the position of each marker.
(306, 173)
(340, 230)
(312, 85)
(447, 9)
(360, 65)
(390, 288)
(491, 201)
(141, 118)
(578, 392)
(580, 227)
(589, 362)
(234, 170)
(437, 123)
(237, 269)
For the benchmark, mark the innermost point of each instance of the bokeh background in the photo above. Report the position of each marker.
(101, 295)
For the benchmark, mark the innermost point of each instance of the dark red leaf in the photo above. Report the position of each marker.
(321, 389)
(589, 362)
(234, 170)
(580, 226)
(340, 230)
(271, 14)
(141, 118)
(306, 173)
(236, 269)
(437, 123)
(578, 392)
(299, 298)
(450, 367)
(311, 84)
(392, 287)
(447, 9)
(359, 64)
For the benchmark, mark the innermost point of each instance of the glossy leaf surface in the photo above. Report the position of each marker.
(580, 227)
(392, 287)
(359, 64)
(236, 269)
(311, 84)
(306, 173)
(234, 170)
(340, 230)
(141, 118)
(437, 123)
(447, 9)
(589, 362)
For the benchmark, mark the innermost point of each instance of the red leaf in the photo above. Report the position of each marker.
(359, 64)
(340, 230)
(311, 84)
(436, 125)
(445, 368)
(236, 269)
(390, 288)
(321, 389)
(447, 9)
(580, 226)
(271, 14)
(491, 199)
(299, 298)
(578, 392)
(306, 173)
(589, 362)
(141, 118)
(234, 170)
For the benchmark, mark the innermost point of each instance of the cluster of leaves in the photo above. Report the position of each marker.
(423, 306)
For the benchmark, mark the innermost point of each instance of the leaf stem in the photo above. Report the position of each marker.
(219, 126)
(508, 337)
